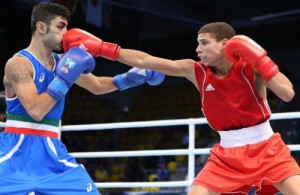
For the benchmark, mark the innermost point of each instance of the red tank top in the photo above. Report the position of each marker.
(233, 102)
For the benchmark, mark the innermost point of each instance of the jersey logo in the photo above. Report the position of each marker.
(209, 87)
(42, 77)
(89, 187)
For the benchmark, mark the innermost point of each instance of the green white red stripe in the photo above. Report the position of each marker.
(22, 124)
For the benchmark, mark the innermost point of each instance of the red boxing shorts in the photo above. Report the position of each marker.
(234, 170)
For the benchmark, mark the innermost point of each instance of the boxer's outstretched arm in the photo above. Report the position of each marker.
(135, 58)
(98, 48)
(97, 85)
(134, 77)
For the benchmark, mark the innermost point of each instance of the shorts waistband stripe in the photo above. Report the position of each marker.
(29, 131)
(25, 118)
(29, 125)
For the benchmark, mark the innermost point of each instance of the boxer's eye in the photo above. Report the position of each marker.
(204, 42)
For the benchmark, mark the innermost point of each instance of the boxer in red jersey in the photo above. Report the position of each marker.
(232, 77)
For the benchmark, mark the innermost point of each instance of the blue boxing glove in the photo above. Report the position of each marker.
(69, 67)
(136, 76)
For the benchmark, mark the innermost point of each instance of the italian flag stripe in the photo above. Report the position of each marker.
(29, 131)
(25, 118)
(29, 125)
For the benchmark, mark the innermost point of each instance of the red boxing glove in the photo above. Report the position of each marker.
(242, 47)
(96, 47)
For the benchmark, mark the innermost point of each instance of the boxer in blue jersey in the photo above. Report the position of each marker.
(32, 158)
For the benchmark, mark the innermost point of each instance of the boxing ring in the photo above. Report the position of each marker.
(191, 151)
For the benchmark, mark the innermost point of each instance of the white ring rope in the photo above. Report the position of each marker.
(158, 123)
(175, 122)
(169, 152)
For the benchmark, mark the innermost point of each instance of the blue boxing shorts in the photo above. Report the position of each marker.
(40, 165)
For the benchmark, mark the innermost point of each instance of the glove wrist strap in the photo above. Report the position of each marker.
(267, 68)
(110, 51)
(57, 89)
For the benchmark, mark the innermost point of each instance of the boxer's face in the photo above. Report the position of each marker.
(209, 50)
(55, 32)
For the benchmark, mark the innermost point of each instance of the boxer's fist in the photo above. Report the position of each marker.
(68, 69)
(241, 46)
(156, 78)
(136, 76)
(244, 48)
(96, 47)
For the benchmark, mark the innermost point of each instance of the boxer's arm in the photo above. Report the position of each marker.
(96, 85)
(18, 82)
(248, 50)
(99, 48)
(281, 86)
(139, 59)
(133, 78)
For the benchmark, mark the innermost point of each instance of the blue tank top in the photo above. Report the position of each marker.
(42, 77)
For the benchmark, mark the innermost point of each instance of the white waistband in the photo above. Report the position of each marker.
(244, 136)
